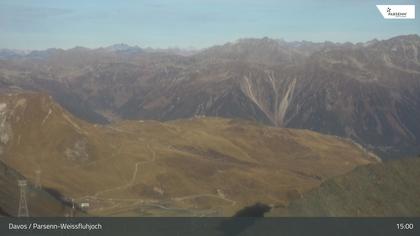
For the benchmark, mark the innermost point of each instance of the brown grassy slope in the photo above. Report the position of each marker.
(206, 166)
(384, 189)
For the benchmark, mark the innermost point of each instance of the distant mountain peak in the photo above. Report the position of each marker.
(13, 53)
(122, 47)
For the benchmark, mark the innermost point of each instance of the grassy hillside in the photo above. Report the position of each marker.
(388, 189)
(200, 166)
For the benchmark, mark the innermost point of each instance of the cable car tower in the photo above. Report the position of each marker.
(23, 205)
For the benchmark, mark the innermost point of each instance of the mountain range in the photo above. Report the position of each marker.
(368, 92)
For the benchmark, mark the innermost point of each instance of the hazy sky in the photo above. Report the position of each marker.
(39, 24)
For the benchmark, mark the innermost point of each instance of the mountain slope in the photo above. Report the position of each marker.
(388, 189)
(202, 166)
(368, 92)
(40, 201)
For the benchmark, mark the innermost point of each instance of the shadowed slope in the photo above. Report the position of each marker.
(388, 189)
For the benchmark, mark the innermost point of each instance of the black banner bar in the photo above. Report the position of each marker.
(210, 226)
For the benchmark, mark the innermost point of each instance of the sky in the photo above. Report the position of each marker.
(41, 24)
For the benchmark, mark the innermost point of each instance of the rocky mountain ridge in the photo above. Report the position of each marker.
(368, 92)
